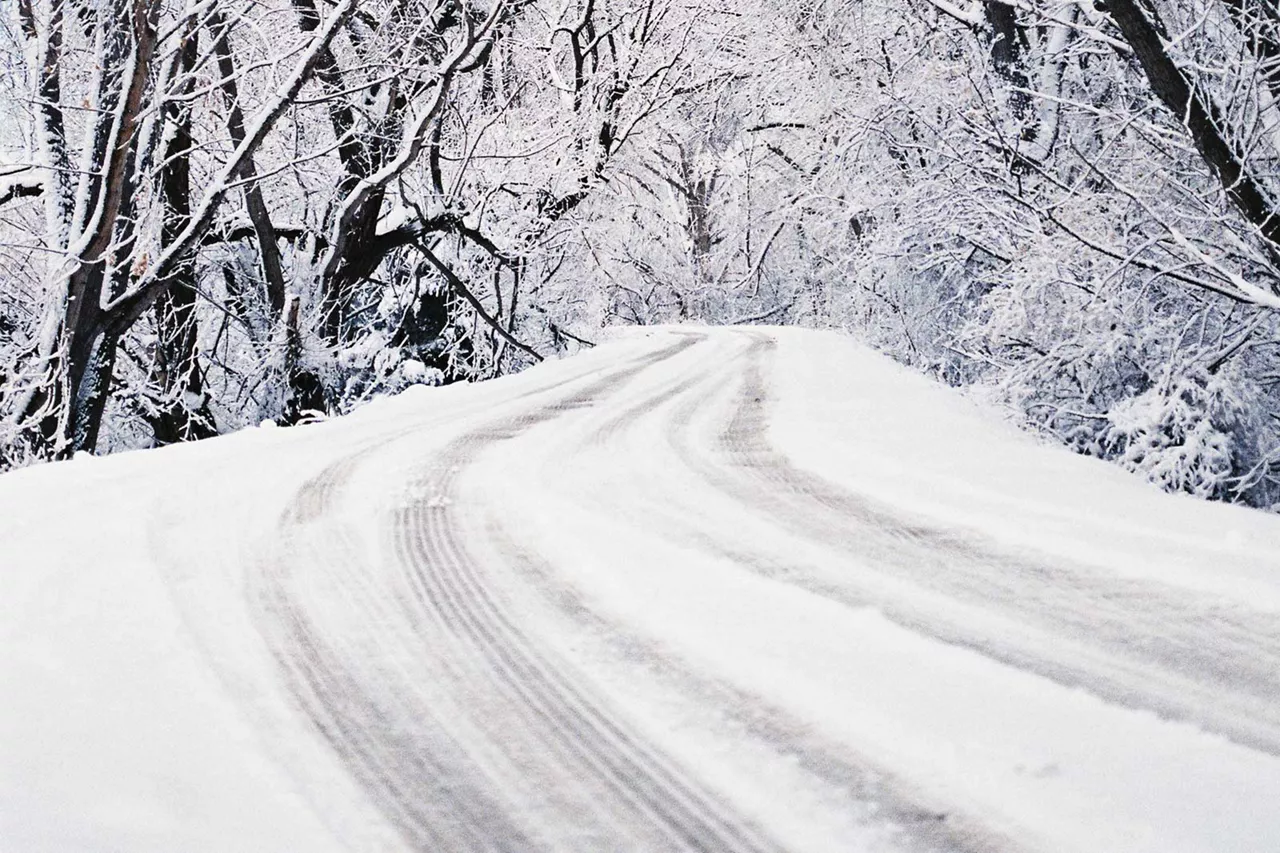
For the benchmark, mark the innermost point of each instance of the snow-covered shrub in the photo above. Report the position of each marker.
(379, 369)
(1191, 432)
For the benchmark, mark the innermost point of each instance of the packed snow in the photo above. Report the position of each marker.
(720, 589)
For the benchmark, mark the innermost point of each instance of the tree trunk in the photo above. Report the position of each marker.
(1201, 118)
(254, 202)
(183, 411)
(1008, 46)
(78, 366)
(306, 391)
(355, 154)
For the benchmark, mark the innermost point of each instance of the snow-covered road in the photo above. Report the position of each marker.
(721, 590)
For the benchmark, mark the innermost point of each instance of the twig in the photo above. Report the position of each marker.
(458, 285)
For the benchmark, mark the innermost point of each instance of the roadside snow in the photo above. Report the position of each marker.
(804, 679)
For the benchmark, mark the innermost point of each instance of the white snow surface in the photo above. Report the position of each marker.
(706, 589)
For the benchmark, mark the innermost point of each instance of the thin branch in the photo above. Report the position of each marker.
(461, 288)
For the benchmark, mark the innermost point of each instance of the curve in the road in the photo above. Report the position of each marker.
(483, 738)
(506, 750)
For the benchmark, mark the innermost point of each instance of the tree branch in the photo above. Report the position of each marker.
(12, 190)
(461, 288)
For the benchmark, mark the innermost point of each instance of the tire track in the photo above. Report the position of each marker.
(417, 778)
(431, 762)
(1222, 669)
(1138, 644)
(411, 654)
(894, 801)
(920, 826)
(644, 791)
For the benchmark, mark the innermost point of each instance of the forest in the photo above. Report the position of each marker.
(215, 213)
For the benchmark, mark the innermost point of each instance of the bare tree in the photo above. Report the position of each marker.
(106, 276)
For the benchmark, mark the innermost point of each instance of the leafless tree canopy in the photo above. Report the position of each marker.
(218, 212)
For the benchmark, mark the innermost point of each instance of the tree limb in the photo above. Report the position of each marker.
(461, 288)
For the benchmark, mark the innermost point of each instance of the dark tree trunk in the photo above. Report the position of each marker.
(52, 126)
(306, 391)
(1201, 118)
(359, 226)
(1008, 50)
(254, 202)
(183, 411)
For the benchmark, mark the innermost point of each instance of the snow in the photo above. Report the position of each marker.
(879, 619)
(848, 415)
